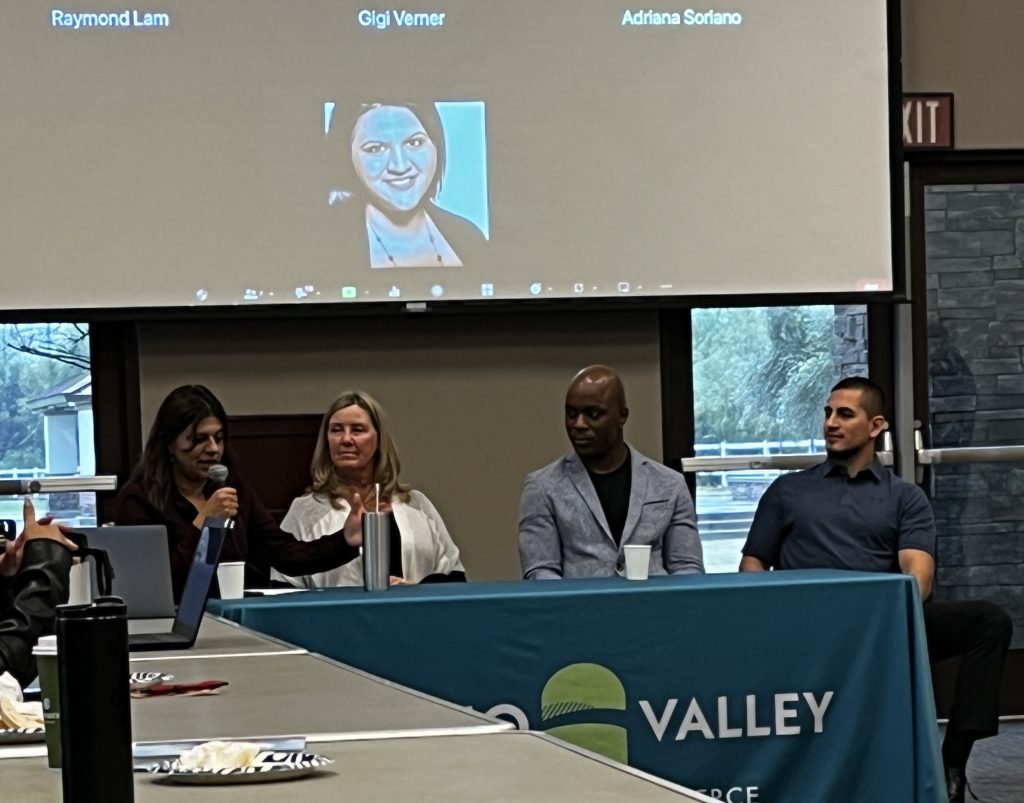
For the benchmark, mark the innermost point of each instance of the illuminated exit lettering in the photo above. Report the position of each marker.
(928, 121)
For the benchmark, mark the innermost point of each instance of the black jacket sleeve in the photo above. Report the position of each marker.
(30, 603)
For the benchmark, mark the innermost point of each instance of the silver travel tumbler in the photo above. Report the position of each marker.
(376, 551)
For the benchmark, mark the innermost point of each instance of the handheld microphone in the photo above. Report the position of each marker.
(218, 475)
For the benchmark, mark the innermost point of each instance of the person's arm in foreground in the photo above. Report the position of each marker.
(36, 568)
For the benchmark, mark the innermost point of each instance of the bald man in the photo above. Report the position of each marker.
(576, 514)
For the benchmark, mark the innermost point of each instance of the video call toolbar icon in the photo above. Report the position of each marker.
(536, 288)
(394, 292)
(437, 291)
(201, 294)
(578, 287)
(487, 289)
(348, 291)
(623, 287)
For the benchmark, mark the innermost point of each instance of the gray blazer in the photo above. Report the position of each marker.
(563, 531)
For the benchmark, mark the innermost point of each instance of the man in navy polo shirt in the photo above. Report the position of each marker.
(852, 513)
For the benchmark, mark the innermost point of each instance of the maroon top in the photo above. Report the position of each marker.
(255, 538)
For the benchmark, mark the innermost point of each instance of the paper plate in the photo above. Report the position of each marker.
(138, 681)
(22, 735)
(269, 766)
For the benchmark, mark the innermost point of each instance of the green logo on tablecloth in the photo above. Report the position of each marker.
(586, 687)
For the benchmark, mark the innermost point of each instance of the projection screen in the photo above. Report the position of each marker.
(225, 152)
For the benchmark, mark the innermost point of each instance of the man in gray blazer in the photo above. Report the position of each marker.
(577, 513)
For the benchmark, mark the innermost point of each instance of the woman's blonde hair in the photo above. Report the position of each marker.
(386, 465)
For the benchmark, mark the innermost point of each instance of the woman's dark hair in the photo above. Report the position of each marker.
(183, 409)
(426, 113)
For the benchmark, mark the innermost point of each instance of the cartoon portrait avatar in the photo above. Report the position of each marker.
(394, 164)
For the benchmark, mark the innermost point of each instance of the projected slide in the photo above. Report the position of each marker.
(399, 156)
(244, 152)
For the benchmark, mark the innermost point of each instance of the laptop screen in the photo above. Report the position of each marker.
(142, 573)
(200, 579)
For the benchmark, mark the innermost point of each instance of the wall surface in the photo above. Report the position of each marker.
(974, 246)
(972, 49)
(475, 401)
(975, 267)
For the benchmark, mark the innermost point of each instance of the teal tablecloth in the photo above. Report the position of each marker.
(760, 688)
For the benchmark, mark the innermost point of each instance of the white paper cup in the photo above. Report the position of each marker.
(638, 561)
(80, 592)
(45, 653)
(231, 579)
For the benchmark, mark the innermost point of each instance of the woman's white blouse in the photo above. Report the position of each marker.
(427, 548)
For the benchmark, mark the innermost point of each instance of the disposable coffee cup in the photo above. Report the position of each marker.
(376, 551)
(80, 592)
(231, 579)
(638, 561)
(45, 653)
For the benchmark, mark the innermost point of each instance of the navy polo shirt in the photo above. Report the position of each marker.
(821, 518)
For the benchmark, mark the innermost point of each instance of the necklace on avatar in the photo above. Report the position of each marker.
(391, 257)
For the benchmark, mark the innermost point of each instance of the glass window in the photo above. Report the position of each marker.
(759, 375)
(46, 424)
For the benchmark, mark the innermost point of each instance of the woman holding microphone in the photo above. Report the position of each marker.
(172, 486)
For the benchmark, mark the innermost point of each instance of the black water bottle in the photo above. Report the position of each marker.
(95, 700)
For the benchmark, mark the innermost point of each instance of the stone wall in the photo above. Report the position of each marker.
(851, 340)
(975, 285)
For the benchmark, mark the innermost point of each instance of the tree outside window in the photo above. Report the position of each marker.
(46, 413)
(760, 378)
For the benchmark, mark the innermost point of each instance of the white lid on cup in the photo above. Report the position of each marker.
(47, 645)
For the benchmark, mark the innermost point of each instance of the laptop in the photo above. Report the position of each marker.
(183, 631)
(142, 571)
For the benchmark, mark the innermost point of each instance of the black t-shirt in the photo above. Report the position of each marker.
(613, 492)
(395, 547)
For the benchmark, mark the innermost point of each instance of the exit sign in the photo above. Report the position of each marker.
(928, 121)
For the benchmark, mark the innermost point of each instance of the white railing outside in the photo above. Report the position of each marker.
(22, 473)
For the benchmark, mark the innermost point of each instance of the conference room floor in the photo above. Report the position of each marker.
(996, 768)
